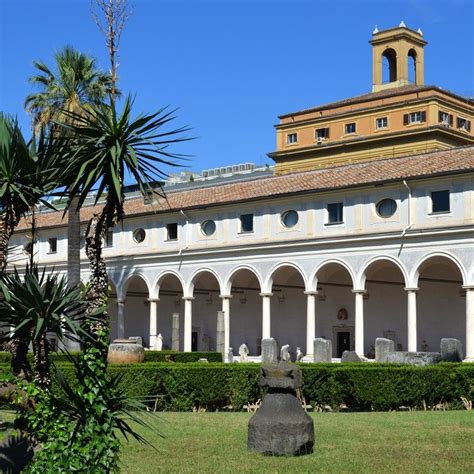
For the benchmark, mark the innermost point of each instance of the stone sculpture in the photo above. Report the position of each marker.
(383, 347)
(244, 353)
(285, 353)
(230, 355)
(281, 426)
(158, 346)
(175, 332)
(322, 350)
(269, 351)
(299, 355)
(220, 332)
(451, 350)
(125, 351)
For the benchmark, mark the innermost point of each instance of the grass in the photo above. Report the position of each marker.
(345, 442)
(402, 442)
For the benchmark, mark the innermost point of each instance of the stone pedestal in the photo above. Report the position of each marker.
(281, 426)
(269, 351)
(322, 350)
(350, 356)
(382, 348)
(451, 350)
(125, 351)
(175, 332)
(413, 358)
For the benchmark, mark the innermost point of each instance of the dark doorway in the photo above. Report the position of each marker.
(343, 342)
(194, 342)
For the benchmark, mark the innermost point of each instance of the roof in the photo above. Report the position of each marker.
(377, 95)
(454, 161)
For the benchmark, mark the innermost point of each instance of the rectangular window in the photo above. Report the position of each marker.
(414, 117)
(464, 124)
(291, 138)
(109, 239)
(440, 201)
(322, 133)
(445, 118)
(246, 223)
(53, 245)
(381, 122)
(172, 231)
(335, 213)
(350, 128)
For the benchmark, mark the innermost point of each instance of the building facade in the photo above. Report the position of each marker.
(364, 229)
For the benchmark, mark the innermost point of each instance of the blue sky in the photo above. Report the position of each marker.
(232, 66)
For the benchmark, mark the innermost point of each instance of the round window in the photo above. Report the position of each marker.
(139, 235)
(289, 218)
(208, 228)
(386, 207)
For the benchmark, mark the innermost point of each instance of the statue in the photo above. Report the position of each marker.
(158, 346)
(230, 355)
(285, 353)
(299, 355)
(244, 353)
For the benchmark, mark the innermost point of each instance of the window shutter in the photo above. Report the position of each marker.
(451, 120)
(458, 123)
(423, 116)
(468, 125)
(440, 116)
(405, 119)
(327, 132)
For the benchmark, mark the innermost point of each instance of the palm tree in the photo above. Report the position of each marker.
(75, 84)
(107, 146)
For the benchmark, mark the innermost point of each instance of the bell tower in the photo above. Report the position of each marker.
(400, 47)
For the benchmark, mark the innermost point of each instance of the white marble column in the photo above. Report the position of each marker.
(359, 321)
(310, 321)
(153, 320)
(469, 323)
(266, 315)
(120, 319)
(188, 323)
(226, 311)
(411, 319)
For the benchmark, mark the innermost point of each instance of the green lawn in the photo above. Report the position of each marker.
(403, 442)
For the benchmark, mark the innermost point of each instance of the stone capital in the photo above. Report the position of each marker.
(153, 300)
(363, 292)
(311, 293)
(468, 287)
(413, 290)
(225, 296)
(187, 298)
(266, 294)
(120, 302)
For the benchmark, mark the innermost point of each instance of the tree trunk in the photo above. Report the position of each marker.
(42, 376)
(73, 255)
(20, 364)
(6, 231)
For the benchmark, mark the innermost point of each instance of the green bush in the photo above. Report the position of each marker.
(184, 386)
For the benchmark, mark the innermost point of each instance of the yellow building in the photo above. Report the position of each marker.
(397, 118)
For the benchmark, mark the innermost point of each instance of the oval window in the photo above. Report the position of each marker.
(386, 207)
(289, 219)
(139, 235)
(208, 228)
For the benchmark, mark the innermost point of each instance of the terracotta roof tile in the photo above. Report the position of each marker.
(453, 161)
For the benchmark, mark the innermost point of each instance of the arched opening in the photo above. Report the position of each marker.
(385, 306)
(170, 310)
(389, 66)
(441, 303)
(112, 311)
(206, 304)
(411, 64)
(335, 307)
(137, 309)
(288, 308)
(245, 312)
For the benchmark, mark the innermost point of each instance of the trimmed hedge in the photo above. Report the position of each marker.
(182, 387)
(150, 356)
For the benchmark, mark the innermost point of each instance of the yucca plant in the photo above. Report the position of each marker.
(107, 147)
(35, 305)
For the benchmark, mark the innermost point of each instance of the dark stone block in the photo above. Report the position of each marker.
(413, 358)
(350, 356)
(451, 350)
(280, 426)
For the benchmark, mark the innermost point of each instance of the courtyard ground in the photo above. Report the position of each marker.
(345, 442)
